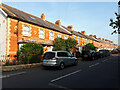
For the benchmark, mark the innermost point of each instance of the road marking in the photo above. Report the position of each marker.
(104, 60)
(58, 86)
(94, 65)
(65, 76)
(5, 76)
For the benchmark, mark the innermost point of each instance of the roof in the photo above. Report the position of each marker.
(23, 16)
(79, 34)
(74, 32)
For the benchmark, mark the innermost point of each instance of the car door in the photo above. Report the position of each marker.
(63, 57)
(71, 58)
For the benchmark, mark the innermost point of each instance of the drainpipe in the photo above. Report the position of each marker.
(17, 37)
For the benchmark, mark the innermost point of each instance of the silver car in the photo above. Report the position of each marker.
(59, 59)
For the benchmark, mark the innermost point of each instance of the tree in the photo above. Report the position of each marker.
(90, 46)
(30, 52)
(70, 43)
(59, 44)
(115, 24)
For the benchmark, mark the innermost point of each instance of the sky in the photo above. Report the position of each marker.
(92, 17)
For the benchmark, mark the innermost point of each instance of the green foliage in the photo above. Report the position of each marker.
(70, 43)
(90, 46)
(115, 24)
(61, 44)
(30, 53)
(8, 63)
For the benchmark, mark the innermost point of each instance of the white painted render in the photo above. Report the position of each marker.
(3, 34)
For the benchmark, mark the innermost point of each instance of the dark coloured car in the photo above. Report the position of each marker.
(114, 52)
(88, 55)
(98, 55)
(104, 53)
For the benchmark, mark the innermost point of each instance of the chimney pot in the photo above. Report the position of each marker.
(43, 16)
(70, 27)
(103, 39)
(91, 35)
(95, 36)
(83, 32)
(99, 38)
(58, 22)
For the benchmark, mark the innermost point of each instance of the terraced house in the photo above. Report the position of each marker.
(18, 27)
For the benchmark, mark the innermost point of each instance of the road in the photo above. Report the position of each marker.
(101, 73)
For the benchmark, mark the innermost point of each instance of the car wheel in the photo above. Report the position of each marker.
(62, 66)
(75, 62)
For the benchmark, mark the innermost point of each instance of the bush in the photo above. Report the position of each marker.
(8, 63)
(65, 45)
(90, 46)
(70, 43)
(59, 44)
(30, 53)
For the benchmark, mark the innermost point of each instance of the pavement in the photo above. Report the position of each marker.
(101, 73)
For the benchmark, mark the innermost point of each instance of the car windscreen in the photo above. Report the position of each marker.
(49, 55)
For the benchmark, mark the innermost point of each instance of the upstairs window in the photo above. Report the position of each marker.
(65, 37)
(59, 35)
(78, 39)
(41, 33)
(51, 35)
(86, 40)
(83, 40)
(74, 36)
(26, 30)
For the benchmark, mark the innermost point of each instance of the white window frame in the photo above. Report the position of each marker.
(74, 36)
(41, 33)
(51, 35)
(26, 30)
(59, 35)
(65, 37)
(78, 39)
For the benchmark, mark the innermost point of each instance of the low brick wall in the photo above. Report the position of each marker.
(18, 67)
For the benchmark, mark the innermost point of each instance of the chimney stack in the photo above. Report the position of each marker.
(91, 35)
(103, 39)
(83, 32)
(106, 40)
(58, 22)
(95, 36)
(43, 16)
(99, 38)
(70, 27)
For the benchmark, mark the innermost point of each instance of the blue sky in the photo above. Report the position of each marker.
(93, 17)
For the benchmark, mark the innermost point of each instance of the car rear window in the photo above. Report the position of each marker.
(49, 55)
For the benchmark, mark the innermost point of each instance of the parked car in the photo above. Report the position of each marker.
(88, 54)
(104, 53)
(114, 51)
(58, 59)
(98, 55)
